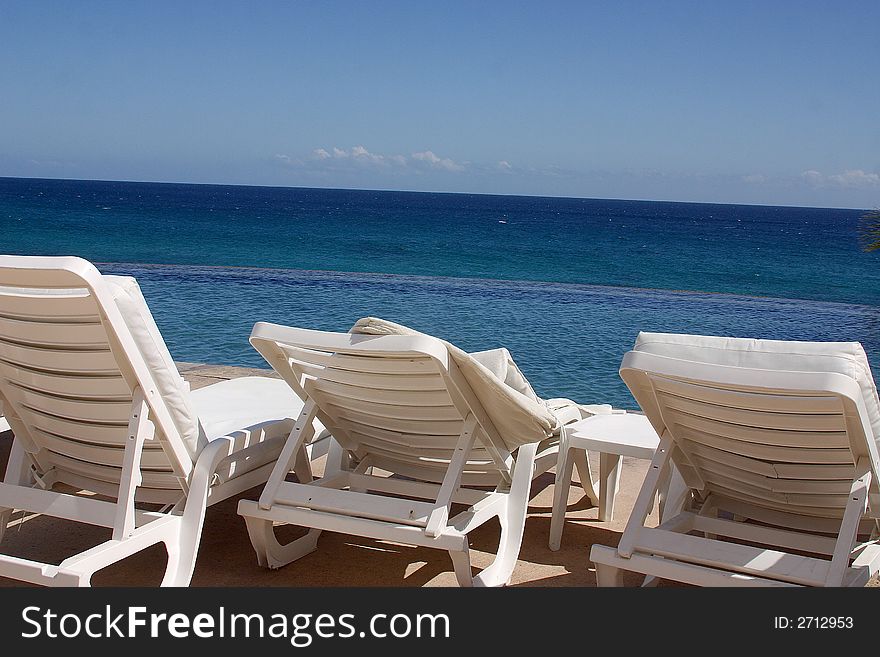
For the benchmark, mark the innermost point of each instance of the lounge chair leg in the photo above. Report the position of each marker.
(709, 510)
(461, 562)
(183, 550)
(271, 553)
(302, 467)
(360, 489)
(183, 546)
(18, 473)
(18, 469)
(672, 495)
(513, 521)
(337, 459)
(257, 529)
(608, 576)
(499, 571)
(5, 516)
(78, 569)
(564, 467)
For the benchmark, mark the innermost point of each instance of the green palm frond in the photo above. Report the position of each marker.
(869, 231)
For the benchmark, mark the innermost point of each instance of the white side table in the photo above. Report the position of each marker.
(613, 436)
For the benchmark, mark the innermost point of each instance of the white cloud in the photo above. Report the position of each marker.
(428, 158)
(504, 165)
(813, 177)
(856, 178)
(361, 154)
(359, 157)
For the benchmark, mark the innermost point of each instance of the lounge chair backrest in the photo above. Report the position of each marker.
(74, 348)
(774, 424)
(517, 413)
(396, 402)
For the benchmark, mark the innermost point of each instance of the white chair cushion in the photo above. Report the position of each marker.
(247, 409)
(216, 410)
(229, 405)
(170, 384)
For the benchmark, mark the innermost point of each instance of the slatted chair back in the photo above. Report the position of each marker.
(787, 441)
(397, 403)
(80, 357)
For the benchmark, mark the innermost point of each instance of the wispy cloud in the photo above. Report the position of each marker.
(813, 178)
(429, 159)
(286, 160)
(849, 179)
(856, 178)
(361, 154)
(359, 157)
(355, 154)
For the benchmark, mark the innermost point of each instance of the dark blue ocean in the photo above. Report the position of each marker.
(565, 284)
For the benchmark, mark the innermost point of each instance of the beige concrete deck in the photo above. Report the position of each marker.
(226, 558)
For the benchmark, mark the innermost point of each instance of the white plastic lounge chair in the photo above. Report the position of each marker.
(95, 402)
(410, 405)
(777, 442)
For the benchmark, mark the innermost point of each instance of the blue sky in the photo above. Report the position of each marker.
(742, 102)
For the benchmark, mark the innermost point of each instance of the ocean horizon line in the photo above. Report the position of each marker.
(707, 249)
(429, 192)
(511, 282)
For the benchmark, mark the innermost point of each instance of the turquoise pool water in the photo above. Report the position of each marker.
(567, 338)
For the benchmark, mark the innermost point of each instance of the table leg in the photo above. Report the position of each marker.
(564, 467)
(582, 463)
(609, 479)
